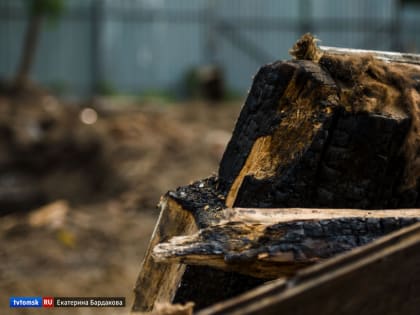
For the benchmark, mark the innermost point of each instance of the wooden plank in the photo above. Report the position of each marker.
(158, 282)
(324, 130)
(202, 285)
(388, 56)
(382, 278)
(278, 215)
(272, 243)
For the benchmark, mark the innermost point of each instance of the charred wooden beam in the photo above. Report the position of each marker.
(269, 216)
(271, 243)
(158, 282)
(381, 278)
(387, 56)
(164, 283)
(325, 130)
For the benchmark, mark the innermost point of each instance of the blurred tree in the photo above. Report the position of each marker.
(37, 11)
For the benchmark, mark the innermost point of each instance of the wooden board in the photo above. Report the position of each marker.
(382, 278)
(325, 130)
(158, 282)
(273, 243)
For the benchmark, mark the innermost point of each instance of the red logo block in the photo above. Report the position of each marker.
(47, 301)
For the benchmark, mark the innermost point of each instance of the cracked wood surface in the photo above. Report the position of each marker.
(158, 282)
(328, 130)
(381, 278)
(271, 243)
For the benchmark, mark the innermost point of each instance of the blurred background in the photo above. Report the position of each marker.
(107, 104)
(90, 47)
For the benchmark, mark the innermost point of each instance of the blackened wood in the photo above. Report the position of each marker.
(203, 199)
(265, 246)
(165, 283)
(382, 278)
(206, 285)
(201, 284)
(329, 131)
(296, 144)
(312, 134)
(257, 118)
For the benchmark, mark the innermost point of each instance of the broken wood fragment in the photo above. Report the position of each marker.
(381, 278)
(162, 283)
(269, 216)
(387, 56)
(158, 282)
(173, 309)
(168, 309)
(271, 243)
(326, 130)
(306, 48)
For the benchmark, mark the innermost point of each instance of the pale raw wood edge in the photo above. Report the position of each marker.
(169, 309)
(388, 56)
(268, 216)
(212, 246)
(157, 282)
(280, 290)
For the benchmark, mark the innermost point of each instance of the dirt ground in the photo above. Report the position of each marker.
(76, 217)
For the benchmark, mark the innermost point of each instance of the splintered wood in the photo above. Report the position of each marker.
(370, 280)
(270, 243)
(320, 136)
(157, 282)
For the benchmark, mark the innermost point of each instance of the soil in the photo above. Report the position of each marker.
(78, 200)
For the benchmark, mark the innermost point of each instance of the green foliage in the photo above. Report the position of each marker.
(52, 9)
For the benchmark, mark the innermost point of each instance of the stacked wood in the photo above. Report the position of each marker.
(325, 130)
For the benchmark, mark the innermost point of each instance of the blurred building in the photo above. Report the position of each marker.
(135, 46)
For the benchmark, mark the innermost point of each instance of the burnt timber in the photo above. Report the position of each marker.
(273, 243)
(325, 130)
(369, 280)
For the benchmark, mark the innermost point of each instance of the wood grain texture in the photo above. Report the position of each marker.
(273, 243)
(332, 131)
(382, 278)
(158, 282)
(324, 131)
(277, 215)
(387, 56)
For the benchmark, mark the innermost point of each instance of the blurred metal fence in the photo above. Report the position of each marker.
(133, 46)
